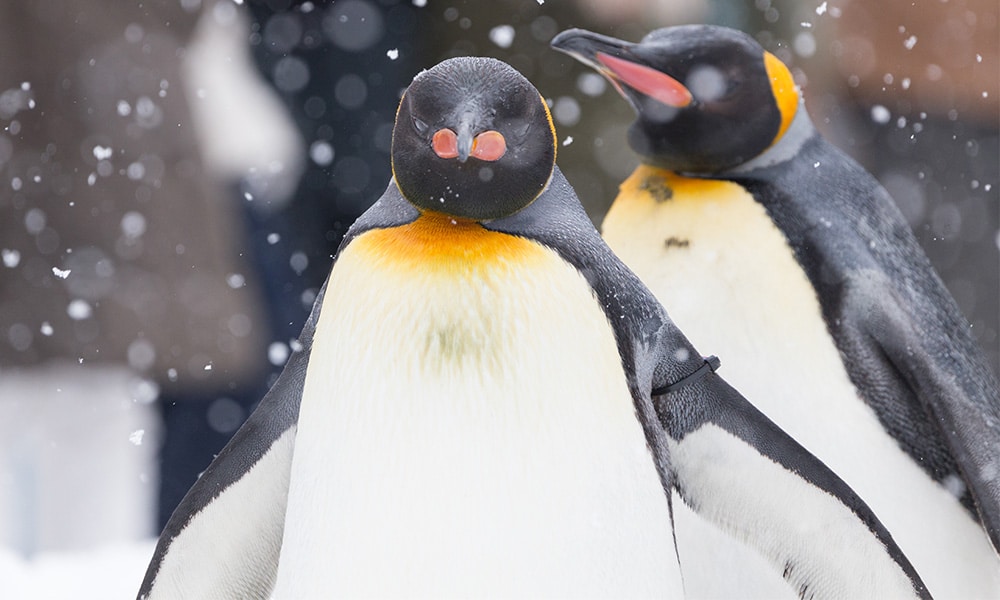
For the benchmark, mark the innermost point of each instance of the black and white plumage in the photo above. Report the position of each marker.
(783, 255)
(471, 412)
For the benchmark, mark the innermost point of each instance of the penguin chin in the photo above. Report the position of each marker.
(476, 192)
(671, 153)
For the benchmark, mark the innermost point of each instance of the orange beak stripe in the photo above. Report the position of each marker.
(445, 143)
(653, 83)
(489, 145)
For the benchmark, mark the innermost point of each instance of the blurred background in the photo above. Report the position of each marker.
(176, 175)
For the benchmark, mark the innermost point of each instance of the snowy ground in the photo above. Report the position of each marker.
(100, 573)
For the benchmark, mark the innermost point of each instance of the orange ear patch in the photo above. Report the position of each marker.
(786, 95)
(445, 143)
(489, 145)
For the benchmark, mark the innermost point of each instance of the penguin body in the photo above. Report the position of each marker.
(488, 403)
(535, 466)
(786, 257)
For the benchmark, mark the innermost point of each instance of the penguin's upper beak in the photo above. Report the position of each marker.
(465, 136)
(617, 60)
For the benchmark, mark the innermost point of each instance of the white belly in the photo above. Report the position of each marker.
(736, 291)
(470, 437)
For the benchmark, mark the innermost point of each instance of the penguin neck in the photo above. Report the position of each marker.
(436, 242)
(786, 148)
(663, 185)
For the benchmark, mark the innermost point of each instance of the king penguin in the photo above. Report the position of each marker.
(487, 403)
(770, 246)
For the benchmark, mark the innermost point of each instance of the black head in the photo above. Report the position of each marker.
(708, 98)
(473, 139)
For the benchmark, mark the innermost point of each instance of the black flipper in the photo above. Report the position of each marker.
(738, 470)
(209, 550)
(739, 441)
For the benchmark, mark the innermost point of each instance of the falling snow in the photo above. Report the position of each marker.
(805, 44)
(880, 114)
(61, 274)
(910, 42)
(102, 152)
(954, 484)
(392, 53)
(133, 224)
(277, 353)
(136, 436)
(11, 258)
(321, 153)
(568, 140)
(591, 84)
(821, 9)
(502, 35)
(79, 310)
(566, 111)
(236, 280)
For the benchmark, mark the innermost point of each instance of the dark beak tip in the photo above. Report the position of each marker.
(585, 45)
(561, 39)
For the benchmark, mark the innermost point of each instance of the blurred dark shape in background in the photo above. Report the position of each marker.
(117, 256)
(339, 70)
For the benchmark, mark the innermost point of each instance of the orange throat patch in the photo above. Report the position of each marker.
(437, 242)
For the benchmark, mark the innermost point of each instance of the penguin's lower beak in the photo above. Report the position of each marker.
(615, 59)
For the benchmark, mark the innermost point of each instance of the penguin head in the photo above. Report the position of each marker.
(707, 98)
(473, 139)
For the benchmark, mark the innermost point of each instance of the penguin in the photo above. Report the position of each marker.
(486, 402)
(772, 247)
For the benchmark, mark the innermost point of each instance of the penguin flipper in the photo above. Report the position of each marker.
(737, 469)
(953, 387)
(224, 538)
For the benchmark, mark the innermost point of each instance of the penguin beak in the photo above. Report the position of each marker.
(617, 61)
(465, 137)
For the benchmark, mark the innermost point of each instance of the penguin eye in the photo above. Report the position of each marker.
(420, 126)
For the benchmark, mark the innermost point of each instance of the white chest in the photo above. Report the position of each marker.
(470, 433)
(728, 278)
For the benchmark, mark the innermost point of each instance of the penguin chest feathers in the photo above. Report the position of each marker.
(466, 429)
(729, 278)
